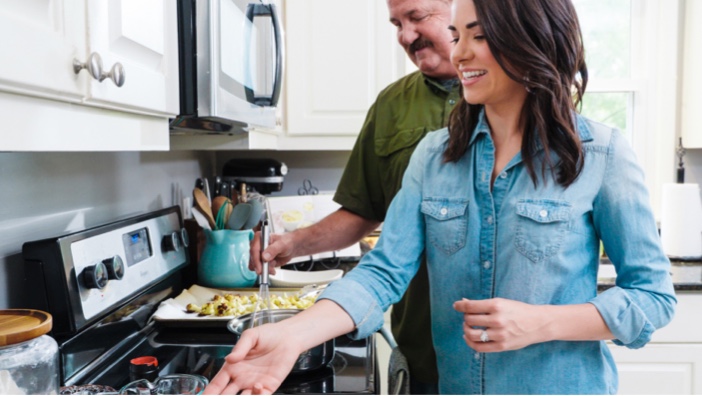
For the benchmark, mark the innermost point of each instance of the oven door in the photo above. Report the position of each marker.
(238, 61)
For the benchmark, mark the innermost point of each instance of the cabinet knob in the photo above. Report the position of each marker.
(116, 74)
(93, 65)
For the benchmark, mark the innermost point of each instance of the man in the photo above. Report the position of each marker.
(402, 114)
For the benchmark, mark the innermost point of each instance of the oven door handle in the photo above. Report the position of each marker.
(398, 369)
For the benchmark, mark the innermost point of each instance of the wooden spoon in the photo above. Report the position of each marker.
(221, 209)
(217, 203)
(204, 205)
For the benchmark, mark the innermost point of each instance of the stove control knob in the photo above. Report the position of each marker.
(184, 237)
(95, 276)
(115, 267)
(171, 242)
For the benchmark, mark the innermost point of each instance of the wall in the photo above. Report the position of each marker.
(693, 166)
(50, 194)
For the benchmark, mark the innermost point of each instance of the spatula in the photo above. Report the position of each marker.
(255, 215)
(241, 212)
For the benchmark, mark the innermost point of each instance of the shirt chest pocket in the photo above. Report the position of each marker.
(541, 227)
(446, 223)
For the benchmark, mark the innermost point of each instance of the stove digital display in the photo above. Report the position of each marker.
(137, 246)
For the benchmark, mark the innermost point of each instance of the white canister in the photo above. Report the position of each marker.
(29, 359)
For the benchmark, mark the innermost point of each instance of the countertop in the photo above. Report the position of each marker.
(687, 275)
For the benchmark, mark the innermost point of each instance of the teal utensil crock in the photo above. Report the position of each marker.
(225, 259)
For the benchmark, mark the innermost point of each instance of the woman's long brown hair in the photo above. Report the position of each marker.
(540, 40)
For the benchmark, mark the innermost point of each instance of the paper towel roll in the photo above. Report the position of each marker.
(681, 221)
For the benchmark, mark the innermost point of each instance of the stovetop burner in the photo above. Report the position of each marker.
(202, 351)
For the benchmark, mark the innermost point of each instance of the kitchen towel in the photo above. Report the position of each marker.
(681, 221)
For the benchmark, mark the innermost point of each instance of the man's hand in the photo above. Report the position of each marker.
(278, 253)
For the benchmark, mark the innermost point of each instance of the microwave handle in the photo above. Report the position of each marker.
(254, 10)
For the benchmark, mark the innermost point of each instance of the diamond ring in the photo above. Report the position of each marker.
(484, 336)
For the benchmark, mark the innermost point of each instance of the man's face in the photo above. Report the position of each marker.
(422, 30)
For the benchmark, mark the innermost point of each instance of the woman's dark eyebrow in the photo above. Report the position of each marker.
(472, 25)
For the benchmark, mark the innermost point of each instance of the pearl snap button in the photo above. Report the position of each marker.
(503, 175)
(486, 264)
(543, 213)
(444, 211)
(476, 356)
(489, 219)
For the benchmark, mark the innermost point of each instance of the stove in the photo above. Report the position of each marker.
(102, 285)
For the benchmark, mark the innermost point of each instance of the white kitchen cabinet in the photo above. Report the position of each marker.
(39, 40)
(340, 54)
(691, 112)
(46, 106)
(142, 36)
(671, 363)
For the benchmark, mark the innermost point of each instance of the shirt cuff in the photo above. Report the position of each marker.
(624, 318)
(358, 303)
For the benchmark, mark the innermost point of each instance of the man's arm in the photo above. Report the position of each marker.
(336, 231)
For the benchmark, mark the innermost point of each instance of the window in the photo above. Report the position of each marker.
(632, 57)
(607, 37)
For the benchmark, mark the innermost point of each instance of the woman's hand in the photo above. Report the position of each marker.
(504, 325)
(258, 364)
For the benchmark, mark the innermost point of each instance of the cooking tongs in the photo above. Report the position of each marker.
(261, 314)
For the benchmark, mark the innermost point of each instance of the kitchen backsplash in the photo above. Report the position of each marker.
(693, 166)
(50, 194)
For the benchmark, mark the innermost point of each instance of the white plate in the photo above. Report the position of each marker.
(290, 278)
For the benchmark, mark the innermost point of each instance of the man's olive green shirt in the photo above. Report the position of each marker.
(403, 113)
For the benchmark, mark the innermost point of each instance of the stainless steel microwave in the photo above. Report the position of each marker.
(231, 65)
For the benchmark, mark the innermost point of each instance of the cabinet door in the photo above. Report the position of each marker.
(340, 54)
(659, 369)
(39, 40)
(142, 36)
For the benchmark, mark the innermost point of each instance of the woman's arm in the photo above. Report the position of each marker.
(643, 299)
(264, 356)
(514, 325)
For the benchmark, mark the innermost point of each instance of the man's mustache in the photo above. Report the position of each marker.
(419, 44)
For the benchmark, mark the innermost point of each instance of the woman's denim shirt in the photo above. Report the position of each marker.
(535, 244)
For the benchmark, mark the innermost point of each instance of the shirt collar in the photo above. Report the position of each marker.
(481, 128)
(438, 86)
(583, 128)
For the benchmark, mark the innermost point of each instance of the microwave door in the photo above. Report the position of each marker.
(246, 50)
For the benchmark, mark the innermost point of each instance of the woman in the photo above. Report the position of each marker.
(509, 204)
